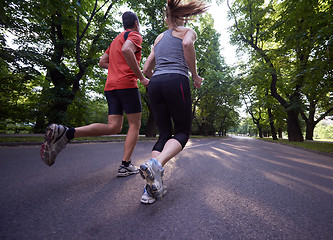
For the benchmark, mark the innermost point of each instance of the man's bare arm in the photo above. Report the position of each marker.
(128, 51)
(104, 61)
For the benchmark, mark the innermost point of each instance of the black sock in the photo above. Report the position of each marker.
(70, 133)
(126, 164)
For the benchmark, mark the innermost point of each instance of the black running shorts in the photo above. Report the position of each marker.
(123, 100)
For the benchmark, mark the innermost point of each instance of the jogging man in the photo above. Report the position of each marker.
(122, 60)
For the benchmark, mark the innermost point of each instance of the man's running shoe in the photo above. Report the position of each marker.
(54, 141)
(146, 199)
(126, 171)
(152, 171)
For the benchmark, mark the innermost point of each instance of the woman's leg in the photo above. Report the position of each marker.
(171, 149)
(161, 113)
(178, 98)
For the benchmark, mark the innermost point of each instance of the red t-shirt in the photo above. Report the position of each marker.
(120, 75)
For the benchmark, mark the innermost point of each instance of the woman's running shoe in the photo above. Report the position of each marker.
(147, 199)
(152, 171)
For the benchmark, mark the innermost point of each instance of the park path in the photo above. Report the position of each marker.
(218, 188)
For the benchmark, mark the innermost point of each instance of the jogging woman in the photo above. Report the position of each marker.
(169, 92)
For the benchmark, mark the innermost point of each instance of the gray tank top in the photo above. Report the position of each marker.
(169, 55)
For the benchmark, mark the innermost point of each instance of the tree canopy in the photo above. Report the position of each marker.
(292, 42)
(49, 70)
(52, 69)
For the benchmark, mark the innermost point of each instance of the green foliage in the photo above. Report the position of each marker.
(62, 40)
(289, 43)
(214, 103)
(246, 127)
(324, 130)
(53, 75)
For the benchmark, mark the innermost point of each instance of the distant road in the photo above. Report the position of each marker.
(218, 188)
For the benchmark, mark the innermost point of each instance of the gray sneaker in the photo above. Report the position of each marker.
(126, 171)
(54, 141)
(147, 199)
(152, 171)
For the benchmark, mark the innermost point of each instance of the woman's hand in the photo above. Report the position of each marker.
(197, 81)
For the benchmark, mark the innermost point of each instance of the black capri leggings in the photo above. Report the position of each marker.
(170, 98)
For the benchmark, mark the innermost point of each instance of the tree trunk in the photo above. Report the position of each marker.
(280, 132)
(310, 122)
(151, 126)
(293, 127)
(271, 124)
(260, 130)
(310, 126)
(40, 125)
(59, 98)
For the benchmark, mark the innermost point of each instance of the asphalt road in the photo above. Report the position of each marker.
(233, 188)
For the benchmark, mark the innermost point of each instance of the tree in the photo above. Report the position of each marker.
(253, 30)
(214, 103)
(62, 39)
(59, 45)
(306, 34)
(290, 36)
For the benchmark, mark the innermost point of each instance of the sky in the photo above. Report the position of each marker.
(221, 24)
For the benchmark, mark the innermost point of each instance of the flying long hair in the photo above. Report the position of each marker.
(185, 11)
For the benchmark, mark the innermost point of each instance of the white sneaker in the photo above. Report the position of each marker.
(126, 171)
(152, 171)
(146, 199)
(54, 141)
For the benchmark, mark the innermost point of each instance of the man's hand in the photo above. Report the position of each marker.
(145, 81)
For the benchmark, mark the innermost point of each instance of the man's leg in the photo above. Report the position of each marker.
(127, 168)
(114, 126)
(57, 136)
(134, 122)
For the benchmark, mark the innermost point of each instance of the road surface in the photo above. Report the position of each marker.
(218, 188)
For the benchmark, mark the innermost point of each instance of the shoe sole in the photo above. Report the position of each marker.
(146, 173)
(151, 201)
(127, 174)
(45, 150)
(146, 201)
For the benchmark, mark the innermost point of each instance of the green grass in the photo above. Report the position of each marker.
(317, 146)
(16, 139)
(21, 139)
(27, 138)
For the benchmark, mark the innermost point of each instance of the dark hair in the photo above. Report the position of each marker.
(129, 19)
(176, 9)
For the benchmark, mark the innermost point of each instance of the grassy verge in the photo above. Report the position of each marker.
(16, 139)
(32, 138)
(317, 146)
(21, 139)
